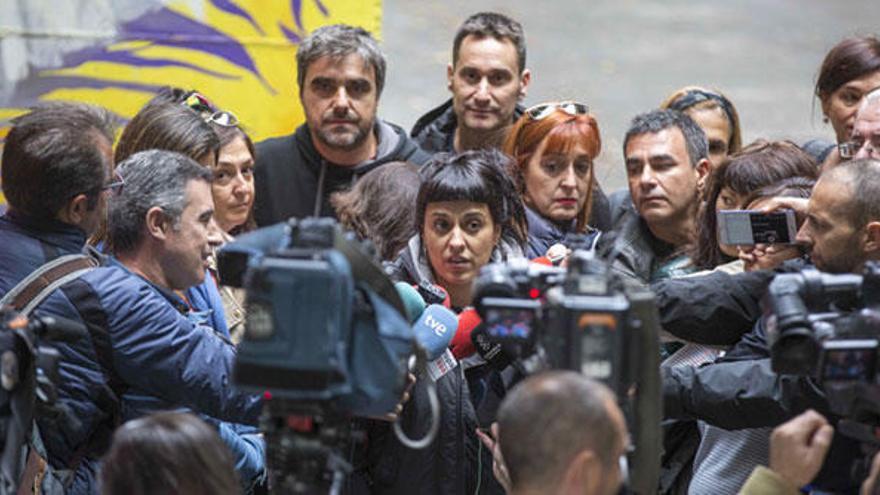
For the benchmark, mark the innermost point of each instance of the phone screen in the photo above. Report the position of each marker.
(749, 227)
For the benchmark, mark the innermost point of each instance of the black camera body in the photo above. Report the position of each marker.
(827, 326)
(584, 319)
(325, 341)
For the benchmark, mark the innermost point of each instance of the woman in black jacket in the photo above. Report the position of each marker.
(467, 213)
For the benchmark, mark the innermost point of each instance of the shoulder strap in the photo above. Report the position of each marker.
(31, 291)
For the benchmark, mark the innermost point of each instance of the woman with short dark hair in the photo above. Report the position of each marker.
(467, 214)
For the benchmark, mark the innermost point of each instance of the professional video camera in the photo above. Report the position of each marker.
(828, 326)
(28, 374)
(325, 341)
(585, 319)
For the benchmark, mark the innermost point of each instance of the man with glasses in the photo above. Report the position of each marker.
(865, 138)
(560, 432)
(57, 175)
(341, 74)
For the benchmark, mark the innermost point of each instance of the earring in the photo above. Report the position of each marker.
(825, 119)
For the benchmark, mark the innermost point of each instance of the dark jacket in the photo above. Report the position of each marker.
(632, 250)
(435, 133)
(741, 390)
(451, 464)
(544, 233)
(713, 309)
(138, 341)
(289, 171)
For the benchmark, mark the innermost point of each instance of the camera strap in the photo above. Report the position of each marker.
(23, 298)
(36, 287)
(364, 270)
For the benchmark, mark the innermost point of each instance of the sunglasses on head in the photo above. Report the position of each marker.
(202, 105)
(543, 110)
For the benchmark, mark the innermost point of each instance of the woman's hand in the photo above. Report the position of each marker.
(766, 256)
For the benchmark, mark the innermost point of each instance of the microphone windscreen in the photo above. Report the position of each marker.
(462, 346)
(493, 353)
(434, 294)
(543, 260)
(412, 301)
(434, 330)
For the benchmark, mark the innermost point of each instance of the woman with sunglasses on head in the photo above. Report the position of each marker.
(715, 114)
(232, 190)
(553, 146)
(849, 72)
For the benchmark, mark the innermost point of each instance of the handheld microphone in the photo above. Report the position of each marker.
(412, 301)
(434, 330)
(462, 346)
(434, 294)
(492, 352)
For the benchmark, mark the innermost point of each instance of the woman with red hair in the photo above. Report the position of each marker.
(553, 146)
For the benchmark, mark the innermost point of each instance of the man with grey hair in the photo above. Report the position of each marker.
(666, 158)
(341, 74)
(558, 433)
(144, 352)
(865, 139)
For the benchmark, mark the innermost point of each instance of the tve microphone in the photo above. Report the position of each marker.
(462, 346)
(434, 330)
(412, 301)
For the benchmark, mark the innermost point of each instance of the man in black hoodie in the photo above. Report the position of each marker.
(341, 73)
(487, 78)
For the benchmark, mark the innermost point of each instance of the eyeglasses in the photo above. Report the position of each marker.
(543, 110)
(202, 105)
(116, 186)
(850, 149)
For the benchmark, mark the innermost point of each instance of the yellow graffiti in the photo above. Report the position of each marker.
(267, 107)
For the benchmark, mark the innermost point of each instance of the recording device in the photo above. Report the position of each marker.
(749, 227)
(327, 339)
(828, 326)
(28, 374)
(585, 319)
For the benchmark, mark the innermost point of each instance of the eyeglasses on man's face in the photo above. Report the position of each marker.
(851, 148)
(115, 186)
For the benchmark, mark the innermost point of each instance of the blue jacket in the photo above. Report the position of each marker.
(138, 342)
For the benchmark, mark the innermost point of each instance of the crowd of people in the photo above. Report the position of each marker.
(123, 238)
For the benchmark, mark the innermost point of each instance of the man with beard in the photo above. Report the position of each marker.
(341, 73)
